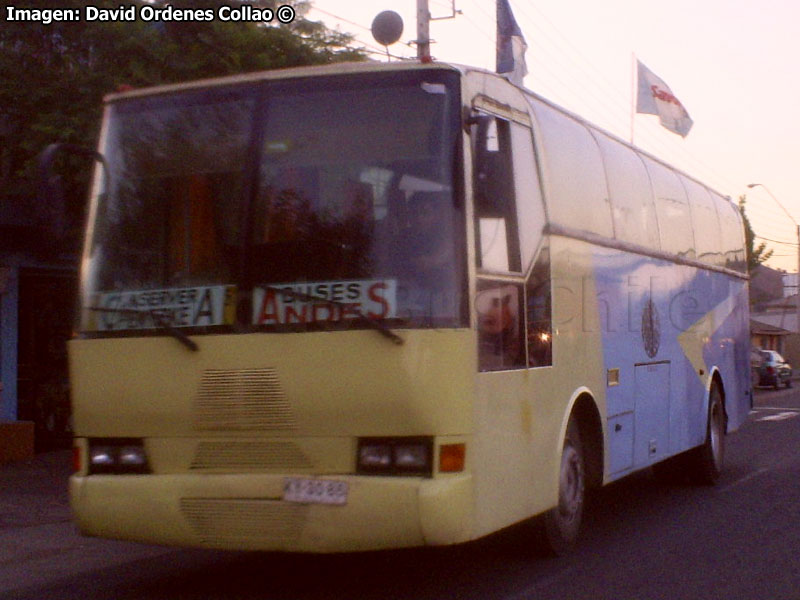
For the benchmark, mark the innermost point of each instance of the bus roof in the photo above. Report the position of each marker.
(288, 73)
(370, 67)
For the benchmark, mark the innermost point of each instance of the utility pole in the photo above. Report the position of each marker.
(424, 19)
(423, 31)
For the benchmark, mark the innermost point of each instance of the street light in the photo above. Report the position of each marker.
(797, 226)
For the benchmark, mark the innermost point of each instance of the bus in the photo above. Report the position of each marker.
(368, 306)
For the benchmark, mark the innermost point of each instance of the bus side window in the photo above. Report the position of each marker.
(495, 213)
(500, 340)
(538, 307)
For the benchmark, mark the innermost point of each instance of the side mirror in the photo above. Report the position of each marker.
(51, 188)
(477, 123)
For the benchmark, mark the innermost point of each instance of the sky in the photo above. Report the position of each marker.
(734, 64)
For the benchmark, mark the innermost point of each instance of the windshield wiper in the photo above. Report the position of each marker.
(161, 323)
(378, 326)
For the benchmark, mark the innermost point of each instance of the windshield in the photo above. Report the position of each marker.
(288, 205)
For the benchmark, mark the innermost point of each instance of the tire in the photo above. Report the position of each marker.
(562, 523)
(706, 462)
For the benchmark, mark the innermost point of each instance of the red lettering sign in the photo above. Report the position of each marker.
(664, 95)
(375, 297)
(329, 301)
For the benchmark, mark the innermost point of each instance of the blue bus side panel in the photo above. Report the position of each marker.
(665, 329)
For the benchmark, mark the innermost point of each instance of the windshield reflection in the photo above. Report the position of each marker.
(353, 199)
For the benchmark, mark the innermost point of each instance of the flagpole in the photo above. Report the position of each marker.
(633, 93)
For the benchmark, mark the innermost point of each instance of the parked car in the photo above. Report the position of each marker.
(774, 370)
(755, 364)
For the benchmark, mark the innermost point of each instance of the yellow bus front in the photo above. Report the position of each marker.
(274, 348)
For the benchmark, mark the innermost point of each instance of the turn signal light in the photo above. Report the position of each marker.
(76, 459)
(452, 458)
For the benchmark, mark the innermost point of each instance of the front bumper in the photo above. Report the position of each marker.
(247, 512)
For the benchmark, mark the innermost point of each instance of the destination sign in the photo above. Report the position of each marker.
(202, 306)
(312, 302)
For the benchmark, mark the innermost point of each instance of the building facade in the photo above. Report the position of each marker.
(38, 285)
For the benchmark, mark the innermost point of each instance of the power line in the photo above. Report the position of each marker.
(372, 49)
(338, 18)
(556, 54)
(761, 237)
(480, 29)
(620, 109)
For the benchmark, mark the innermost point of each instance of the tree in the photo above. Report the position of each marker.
(53, 77)
(756, 255)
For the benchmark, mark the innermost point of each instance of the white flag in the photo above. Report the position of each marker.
(655, 98)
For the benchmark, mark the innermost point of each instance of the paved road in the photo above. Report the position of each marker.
(644, 539)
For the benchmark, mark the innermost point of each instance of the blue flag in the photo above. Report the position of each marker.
(511, 45)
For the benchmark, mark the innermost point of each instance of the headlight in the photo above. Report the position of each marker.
(101, 456)
(377, 456)
(411, 456)
(395, 456)
(132, 456)
(118, 456)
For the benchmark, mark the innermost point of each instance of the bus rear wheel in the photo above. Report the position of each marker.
(562, 523)
(706, 461)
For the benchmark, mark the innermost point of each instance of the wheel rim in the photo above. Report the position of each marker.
(570, 495)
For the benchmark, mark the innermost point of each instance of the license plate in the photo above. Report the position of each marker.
(315, 491)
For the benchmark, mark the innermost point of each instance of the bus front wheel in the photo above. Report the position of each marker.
(562, 523)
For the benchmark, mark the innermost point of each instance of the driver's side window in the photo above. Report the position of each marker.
(496, 233)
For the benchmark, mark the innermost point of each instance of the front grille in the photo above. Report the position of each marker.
(242, 399)
(243, 522)
(282, 456)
